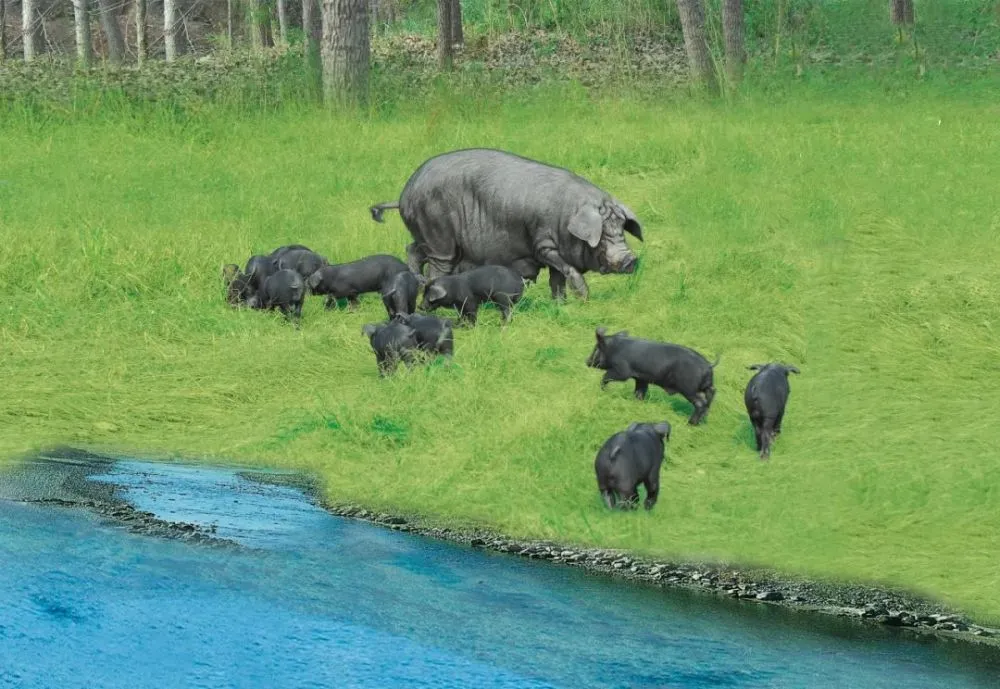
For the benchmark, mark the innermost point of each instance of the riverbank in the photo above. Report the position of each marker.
(850, 233)
(68, 482)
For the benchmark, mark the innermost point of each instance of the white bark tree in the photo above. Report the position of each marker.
(282, 22)
(141, 37)
(171, 25)
(112, 31)
(30, 29)
(81, 21)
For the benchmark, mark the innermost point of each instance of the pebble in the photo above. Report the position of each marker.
(770, 595)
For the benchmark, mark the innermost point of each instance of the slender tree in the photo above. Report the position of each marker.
(141, 39)
(3, 31)
(229, 24)
(171, 23)
(30, 24)
(260, 21)
(901, 13)
(457, 34)
(732, 30)
(692, 14)
(346, 50)
(444, 52)
(282, 22)
(383, 12)
(309, 23)
(81, 20)
(112, 31)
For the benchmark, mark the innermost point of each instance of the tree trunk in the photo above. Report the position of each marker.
(308, 23)
(444, 35)
(81, 20)
(260, 19)
(346, 52)
(732, 29)
(30, 22)
(112, 31)
(229, 24)
(171, 24)
(3, 31)
(141, 41)
(692, 15)
(457, 35)
(282, 22)
(901, 12)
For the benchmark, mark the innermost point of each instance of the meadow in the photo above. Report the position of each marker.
(853, 233)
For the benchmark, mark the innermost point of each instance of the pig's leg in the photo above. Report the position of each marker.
(506, 307)
(767, 437)
(415, 258)
(612, 375)
(549, 255)
(641, 387)
(557, 285)
(756, 435)
(609, 498)
(331, 302)
(777, 423)
(631, 498)
(352, 302)
(468, 312)
(652, 491)
(699, 409)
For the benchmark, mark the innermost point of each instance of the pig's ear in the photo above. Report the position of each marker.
(421, 278)
(313, 280)
(632, 427)
(368, 329)
(614, 451)
(792, 369)
(435, 291)
(601, 333)
(389, 293)
(587, 224)
(663, 429)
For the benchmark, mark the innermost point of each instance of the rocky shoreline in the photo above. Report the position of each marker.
(70, 484)
(867, 605)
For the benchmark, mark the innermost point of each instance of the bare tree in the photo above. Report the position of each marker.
(444, 52)
(31, 23)
(692, 15)
(732, 30)
(112, 31)
(457, 35)
(171, 24)
(282, 22)
(346, 49)
(3, 31)
(141, 41)
(81, 20)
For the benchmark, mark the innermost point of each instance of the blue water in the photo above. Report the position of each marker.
(318, 601)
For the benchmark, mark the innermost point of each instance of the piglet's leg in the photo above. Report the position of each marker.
(641, 387)
(612, 375)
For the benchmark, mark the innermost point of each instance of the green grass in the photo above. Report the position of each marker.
(852, 233)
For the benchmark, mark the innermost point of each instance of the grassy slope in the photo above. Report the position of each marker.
(855, 237)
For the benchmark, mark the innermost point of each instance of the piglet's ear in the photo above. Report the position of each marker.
(632, 427)
(792, 369)
(368, 329)
(435, 291)
(601, 332)
(663, 429)
(313, 280)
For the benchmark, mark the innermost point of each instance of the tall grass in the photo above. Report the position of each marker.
(850, 232)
